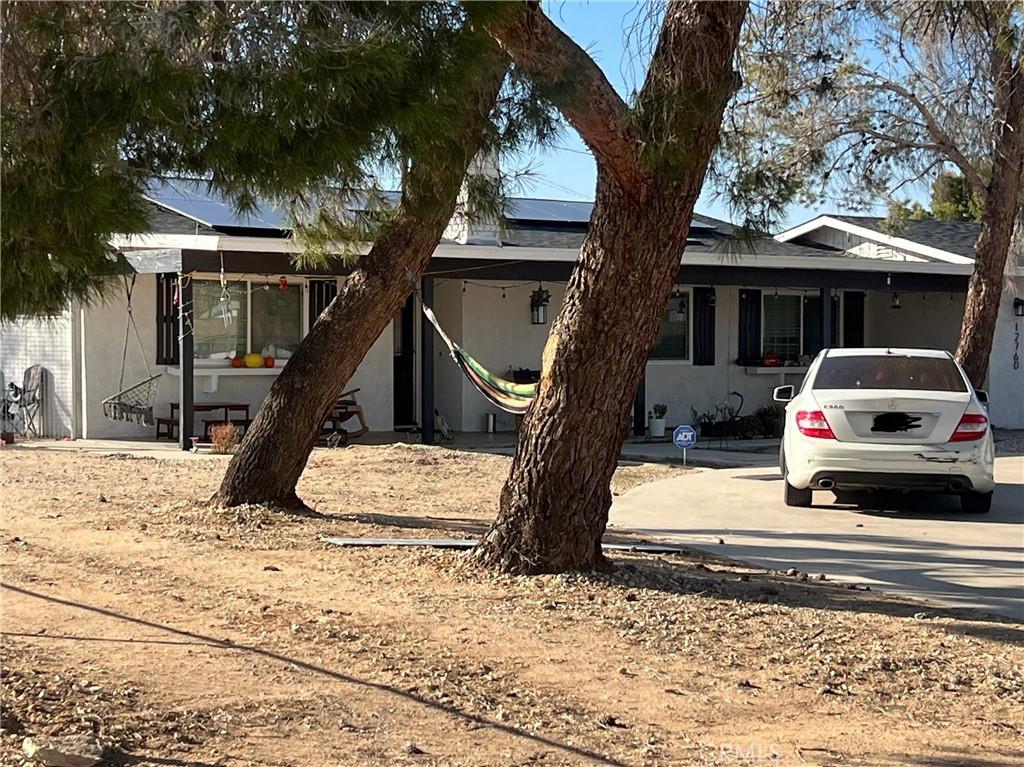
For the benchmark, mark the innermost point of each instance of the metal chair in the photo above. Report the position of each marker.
(27, 398)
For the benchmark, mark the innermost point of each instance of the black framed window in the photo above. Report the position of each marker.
(673, 341)
(167, 352)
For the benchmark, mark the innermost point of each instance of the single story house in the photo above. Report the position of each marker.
(745, 316)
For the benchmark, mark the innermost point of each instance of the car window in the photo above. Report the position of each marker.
(889, 372)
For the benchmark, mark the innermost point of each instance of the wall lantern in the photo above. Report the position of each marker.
(1018, 307)
(712, 297)
(539, 300)
(896, 301)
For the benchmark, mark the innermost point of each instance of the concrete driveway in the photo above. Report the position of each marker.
(925, 548)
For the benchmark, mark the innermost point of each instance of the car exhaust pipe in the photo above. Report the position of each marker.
(957, 486)
(826, 483)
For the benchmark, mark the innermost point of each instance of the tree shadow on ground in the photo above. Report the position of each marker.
(681, 577)
(119, 758)
(568, 749)
(950, 757)
(473, 529)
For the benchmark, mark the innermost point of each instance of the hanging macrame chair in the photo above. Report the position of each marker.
(504, 394)
(134, 403)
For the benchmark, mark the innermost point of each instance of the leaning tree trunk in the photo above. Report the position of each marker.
(555, 502)
(1002, 203)
(273, 454)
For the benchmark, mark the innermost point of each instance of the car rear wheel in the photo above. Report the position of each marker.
(793, 496)
(797, 497)
(976, 503)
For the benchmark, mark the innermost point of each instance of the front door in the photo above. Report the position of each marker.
(405, 367)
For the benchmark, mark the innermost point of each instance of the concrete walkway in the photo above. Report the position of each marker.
(926, 549)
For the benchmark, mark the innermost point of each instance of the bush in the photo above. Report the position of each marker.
(224, 437)
(771, 419)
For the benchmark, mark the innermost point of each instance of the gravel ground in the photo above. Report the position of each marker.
(176, 633)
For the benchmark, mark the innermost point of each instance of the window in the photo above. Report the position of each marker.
(791, 326)
(220, 318)
(673, 341)
(240, 317)
(276, 320)
(889, 372)
(782, 323)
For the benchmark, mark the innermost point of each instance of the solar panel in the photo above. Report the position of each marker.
(194, 198)
(570, 212)
(562, 211)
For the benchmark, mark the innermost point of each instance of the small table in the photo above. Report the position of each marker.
(213, 407)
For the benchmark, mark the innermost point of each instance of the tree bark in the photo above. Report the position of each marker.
(1002, 202)
(276, 447)
(554, 504)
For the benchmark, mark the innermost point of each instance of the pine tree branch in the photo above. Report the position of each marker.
(939, 136)
(571, 79)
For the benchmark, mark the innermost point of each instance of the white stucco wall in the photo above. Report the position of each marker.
(374, 378)
(932, 322)
(46, 342)
(102, 343)
(498, 333)
(1005, 383)
(680, 385)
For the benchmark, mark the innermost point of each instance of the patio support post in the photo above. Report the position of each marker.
(427, 367)
(186, 384)
(640, 409)
(826, 316)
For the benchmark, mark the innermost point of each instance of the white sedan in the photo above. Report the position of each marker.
(887, 419)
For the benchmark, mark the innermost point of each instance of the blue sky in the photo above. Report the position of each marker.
(567, 172)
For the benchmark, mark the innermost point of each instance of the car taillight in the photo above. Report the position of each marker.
(971, 427)
(812, 423)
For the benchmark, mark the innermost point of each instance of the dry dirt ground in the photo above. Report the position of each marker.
(184, 635)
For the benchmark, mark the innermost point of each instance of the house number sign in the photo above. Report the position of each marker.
(1016, 346)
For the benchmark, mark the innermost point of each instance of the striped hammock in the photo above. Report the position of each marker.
(511, 397)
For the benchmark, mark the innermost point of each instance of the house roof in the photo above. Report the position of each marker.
(953, 236)
(189, 206)
(188, 216)
(949, 242)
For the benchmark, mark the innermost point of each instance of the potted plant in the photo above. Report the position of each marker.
(657, 421)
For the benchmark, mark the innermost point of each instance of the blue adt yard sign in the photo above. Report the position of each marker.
(684, 437)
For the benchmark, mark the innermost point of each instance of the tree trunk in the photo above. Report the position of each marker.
(277, 445)
(554, 505)
(273, 454)
(1002, 203)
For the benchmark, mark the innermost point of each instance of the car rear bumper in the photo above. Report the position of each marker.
(881, 480)
(954, 467)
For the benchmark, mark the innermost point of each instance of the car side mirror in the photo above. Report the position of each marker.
(982, 396)
(784, 393)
